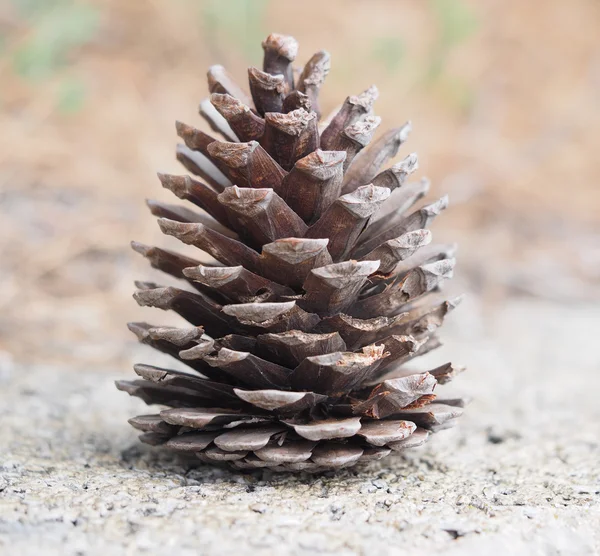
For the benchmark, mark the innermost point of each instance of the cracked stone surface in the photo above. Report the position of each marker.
(520, 475)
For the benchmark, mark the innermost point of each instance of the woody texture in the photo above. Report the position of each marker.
(316, 284)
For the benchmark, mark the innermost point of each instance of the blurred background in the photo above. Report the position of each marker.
(504, 96)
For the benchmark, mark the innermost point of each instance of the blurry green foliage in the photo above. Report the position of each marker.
(28, 8)
(455, 22)
(53, 28)
(71, 95)
(457, 92)
(389, 51)
(455, 19)
(240, 21)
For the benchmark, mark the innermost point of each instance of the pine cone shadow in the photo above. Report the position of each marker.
(194, 472)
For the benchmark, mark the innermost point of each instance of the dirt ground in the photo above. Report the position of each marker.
(503, 97)
(519, 476)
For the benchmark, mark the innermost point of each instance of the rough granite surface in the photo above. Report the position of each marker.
(520, 475)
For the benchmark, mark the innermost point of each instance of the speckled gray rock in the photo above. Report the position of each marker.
(519, 476)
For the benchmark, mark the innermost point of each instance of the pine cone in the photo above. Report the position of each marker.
(325, 282)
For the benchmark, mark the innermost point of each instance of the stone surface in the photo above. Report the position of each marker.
(519, 476)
